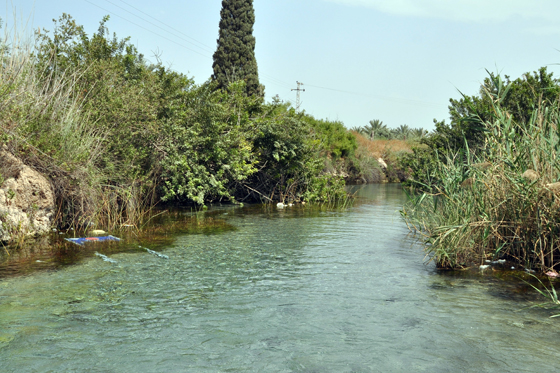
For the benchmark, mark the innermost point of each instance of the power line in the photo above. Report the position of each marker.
(379, 97)
(298, 90)
(275, 81)
(272, 79)
(142, 27)
(202, 45)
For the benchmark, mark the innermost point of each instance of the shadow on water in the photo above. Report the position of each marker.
(53, 251)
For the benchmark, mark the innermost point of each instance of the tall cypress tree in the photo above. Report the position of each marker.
(234, 58)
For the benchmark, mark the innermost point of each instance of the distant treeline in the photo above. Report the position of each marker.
(376, 130)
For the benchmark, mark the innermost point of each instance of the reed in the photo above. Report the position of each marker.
(550, 294)
(503, 202)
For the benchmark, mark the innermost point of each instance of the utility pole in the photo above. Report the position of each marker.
(298, 90)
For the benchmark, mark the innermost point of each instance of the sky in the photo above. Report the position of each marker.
(399, 61)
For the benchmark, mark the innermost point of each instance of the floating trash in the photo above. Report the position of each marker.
(97, 232)
(163, 256)
(82, 240)
(105, 258)
(499, 261)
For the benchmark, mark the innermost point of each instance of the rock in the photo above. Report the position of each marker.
(26, 199)
(499, 261)
(382, 163)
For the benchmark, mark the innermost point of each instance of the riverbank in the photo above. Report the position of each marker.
(79, 115)
(495, 198)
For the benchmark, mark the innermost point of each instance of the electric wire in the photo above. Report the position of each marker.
(267, 77)
(142, 27)
(379, 97)
(159, 27)
(166, 25)
(203, 46)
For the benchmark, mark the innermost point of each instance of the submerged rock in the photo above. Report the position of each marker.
(160, 255)
(26, 199)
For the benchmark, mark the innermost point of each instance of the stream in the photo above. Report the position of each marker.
(298, 289)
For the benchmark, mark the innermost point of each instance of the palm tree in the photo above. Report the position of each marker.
(375, 127)
(418, 132)
(402, 132)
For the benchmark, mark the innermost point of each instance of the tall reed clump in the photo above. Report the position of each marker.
(503, 202)
(44, 123)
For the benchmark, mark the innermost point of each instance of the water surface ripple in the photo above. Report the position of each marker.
(287, 291)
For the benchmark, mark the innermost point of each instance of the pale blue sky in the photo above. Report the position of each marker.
(399, 61)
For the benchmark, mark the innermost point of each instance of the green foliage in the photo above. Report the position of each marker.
(208, 144)
(376, 130)
(499, 203)
(116, 134)
(111, 81)
(467, 129)
(334, 138)
(290, 163)
(234, 58)
(467, 114)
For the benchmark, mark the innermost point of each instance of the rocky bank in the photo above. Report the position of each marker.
(26, 199)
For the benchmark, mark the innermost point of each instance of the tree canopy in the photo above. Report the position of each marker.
(234, 58)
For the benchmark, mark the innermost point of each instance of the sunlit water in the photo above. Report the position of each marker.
(290, 290)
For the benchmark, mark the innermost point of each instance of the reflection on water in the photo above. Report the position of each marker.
(293, 290)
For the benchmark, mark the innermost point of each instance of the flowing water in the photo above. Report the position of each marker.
(292, 290)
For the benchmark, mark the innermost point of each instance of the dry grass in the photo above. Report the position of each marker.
(381, 148)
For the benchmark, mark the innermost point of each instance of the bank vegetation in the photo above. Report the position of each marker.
(116, 134)
(486, 186)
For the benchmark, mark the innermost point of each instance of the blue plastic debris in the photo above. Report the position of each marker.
(82, 240)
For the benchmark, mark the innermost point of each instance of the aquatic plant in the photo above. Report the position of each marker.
(550, 294)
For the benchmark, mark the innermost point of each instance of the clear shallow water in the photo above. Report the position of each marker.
(286, 291)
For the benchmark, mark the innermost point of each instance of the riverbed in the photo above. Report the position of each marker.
(298, 289)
